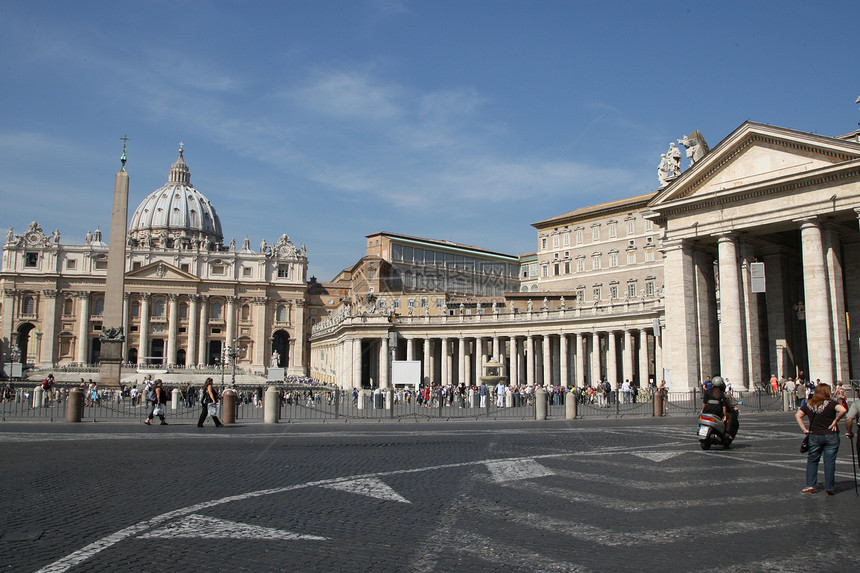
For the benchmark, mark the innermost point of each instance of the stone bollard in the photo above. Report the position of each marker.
(658, 404)
(271, 406)
(570, 406)
(540, 404)
(228, 407)
(509, 398)
(175, 397)
(389, 399)
(38, 395)
(75, 406)
(786, 401)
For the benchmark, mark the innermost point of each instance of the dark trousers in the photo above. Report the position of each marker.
(205, 412)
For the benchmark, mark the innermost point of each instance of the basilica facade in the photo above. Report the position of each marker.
(189, 299)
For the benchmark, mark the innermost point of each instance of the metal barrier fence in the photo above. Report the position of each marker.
(314, 403)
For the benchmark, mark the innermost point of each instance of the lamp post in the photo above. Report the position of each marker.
(232, 353)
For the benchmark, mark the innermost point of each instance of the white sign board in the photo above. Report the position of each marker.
(406, 373)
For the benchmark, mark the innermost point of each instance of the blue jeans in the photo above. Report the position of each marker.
(826, 445)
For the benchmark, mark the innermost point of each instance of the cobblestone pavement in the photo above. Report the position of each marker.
(588, 495)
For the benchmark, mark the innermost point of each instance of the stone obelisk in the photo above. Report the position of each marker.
(112, 335)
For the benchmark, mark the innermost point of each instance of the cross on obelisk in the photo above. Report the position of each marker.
(112, 335)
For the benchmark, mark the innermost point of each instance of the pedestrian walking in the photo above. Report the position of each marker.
(159, 404)
(209, 403)
(824, 414)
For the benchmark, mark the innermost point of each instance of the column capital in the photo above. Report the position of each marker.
(231, 299)
(807, 222)
(259, 300)
(81, 294)
(193, 297)
(50, 293)
(10, 291)
(144, 296)
(172, 296)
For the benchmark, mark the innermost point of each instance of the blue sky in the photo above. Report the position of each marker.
(329, 120)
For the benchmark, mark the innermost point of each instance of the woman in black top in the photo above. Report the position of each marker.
(824, 414)
(159, 405)
(208, 396)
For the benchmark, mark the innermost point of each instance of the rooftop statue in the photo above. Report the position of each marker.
(696, 146)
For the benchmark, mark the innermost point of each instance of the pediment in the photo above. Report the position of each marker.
(161, 271)
(755, 154)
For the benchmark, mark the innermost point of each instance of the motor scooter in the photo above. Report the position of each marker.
(712, 431)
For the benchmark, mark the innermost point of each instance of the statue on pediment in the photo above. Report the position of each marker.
(10, 235)
(664, 170)
(696, 146)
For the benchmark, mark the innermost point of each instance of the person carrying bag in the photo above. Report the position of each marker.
(209, 404)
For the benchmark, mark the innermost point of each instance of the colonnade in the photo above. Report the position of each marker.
(579, 358)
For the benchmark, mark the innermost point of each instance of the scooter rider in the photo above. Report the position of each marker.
(731, 407)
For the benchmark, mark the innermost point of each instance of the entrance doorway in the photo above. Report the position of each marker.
(24, 340)
(281, 345)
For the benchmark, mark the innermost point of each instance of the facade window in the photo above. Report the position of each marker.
(68, 307)
(99, 306)
(410, 303)
(649, 288)
(566, 239)
(595, 233)
(183, 310)
(533, 270)
(631, 290)
(281, 314)
(613, 259)
(543, 244)
(246, 271)
(395, 304)
(439, 302)
(424, 303)
(136, 265)
(381, 303)
(31, 260)
(283, 271)
(246, 312)
(544, 270)
(101, 265)
(580, 294)
(580, 265)
(555, 241)
(135, 309)
(71, 264)
(595, 294)
(217, 269)
(631, 257)
(631, 226)
(158, 308)
(579, 236)
(556, 269)
(613, 231)
(216, 311)
(567, 267)
(613, 292)
(525, 271)
(29, 306)
(649, 255)
(595, 262)
(184, 267)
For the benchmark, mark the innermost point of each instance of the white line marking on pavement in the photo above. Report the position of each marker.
(371, 487)
(506, 470)
(657, 456)
(205, 527)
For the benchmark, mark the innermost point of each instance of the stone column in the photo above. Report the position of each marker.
(143, 330)
(356, 363)
(530, 360)
(484, 357)
(835, 282)
(83, 328)
(643, 358)
(193, 321)
(778, 319)
(446, 362)
(428, 375)
(496, 354)
(466, 378)
(627, 356)
(515, 362)
(298, 357)
(612, 359)
(851, 251)
(750, 314)
(461, 359)
(680, 335)
(384, 359)
(563, 358)
(658, 357)
(817, 302)
(546, 345)
(410, 348)
(172, 326)
(706, 309)
(203, 346)
(261, 340)
(230, 319)
(579, 377)
(595, 357)
(731, 327)
(47, 352)
(126, 303)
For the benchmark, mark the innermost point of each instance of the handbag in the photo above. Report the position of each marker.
(158, 410)
(212, 410)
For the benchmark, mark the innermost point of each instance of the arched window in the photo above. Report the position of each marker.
(99, 306)
(29, 305)
(158, 307)
(68, 307)
(216, 310)
(281, 315)
(246, 312)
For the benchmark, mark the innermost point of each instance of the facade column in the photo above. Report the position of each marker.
(680, 335)
(706, 309)
(595, 358)
(563, 359)
(546, 347)
(627, 356)
(817, 302)
(410, 348)
(658, 357)
(83, 328)
(427, 361)
(384, 359)
(514, 375)
(297, 357)
(172, 326)
(643, 359)
(203, 346)
(466, 378)
(261, 340)
(484, 357)
(356, 363)
(579, 377)
(750, 314)
(446, 361)
(47, 352)
(612, 359)
(530, 360)
(835, 282)
(143, 330)
(230, 310)
(461, 359)
(778, 303)
(9, 311)
(731, 329)
(496, 354)
(193, 323)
